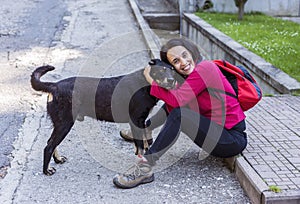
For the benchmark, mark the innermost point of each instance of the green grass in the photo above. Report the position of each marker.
(275, 40)
(275, 189)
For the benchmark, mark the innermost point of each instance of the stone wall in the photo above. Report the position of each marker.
(174, 3)
(270, 7)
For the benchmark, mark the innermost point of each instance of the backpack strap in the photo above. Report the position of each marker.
(222, 91)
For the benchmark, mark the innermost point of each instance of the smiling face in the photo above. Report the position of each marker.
(181, 59)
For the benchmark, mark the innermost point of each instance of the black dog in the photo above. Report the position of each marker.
(122, 99)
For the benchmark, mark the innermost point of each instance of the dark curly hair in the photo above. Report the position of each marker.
(190, 46)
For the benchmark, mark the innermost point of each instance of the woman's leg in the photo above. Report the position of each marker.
(166, 137)
(201, 130)
(213, 138)
(141, 172)
(157, 119)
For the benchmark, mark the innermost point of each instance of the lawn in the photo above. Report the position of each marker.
(275, 40)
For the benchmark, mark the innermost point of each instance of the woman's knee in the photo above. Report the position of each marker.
(175, 113)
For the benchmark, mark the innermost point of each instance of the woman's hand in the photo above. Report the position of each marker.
(147, 70)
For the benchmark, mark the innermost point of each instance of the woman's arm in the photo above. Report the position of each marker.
(204, 75)
(149, 79)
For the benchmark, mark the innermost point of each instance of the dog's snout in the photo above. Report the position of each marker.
(170, 80)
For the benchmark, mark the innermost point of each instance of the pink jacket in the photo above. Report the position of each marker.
(193, 94)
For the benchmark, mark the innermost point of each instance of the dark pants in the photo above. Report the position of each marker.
(210, 136)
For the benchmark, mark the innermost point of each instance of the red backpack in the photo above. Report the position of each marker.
(246, 88)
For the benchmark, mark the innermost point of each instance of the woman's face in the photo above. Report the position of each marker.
(181, 59)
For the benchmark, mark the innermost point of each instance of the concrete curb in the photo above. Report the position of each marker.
(286, 197)
(250, 180)
(151, 39)
(257, 189)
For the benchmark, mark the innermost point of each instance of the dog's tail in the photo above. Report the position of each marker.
(38, 85)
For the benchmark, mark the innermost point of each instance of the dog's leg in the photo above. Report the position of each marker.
(57, 158)
(57, 136)
(137, 134)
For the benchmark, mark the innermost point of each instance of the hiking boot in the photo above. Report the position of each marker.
(140, 173)
(127, 135)
(230, 163)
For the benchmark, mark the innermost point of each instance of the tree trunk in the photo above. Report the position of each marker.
(241, 5)
(241, 10)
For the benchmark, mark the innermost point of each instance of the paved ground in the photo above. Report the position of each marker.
(100, 37)
(273, 151)
(91, 38)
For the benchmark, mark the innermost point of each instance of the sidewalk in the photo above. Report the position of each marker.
(272, 157)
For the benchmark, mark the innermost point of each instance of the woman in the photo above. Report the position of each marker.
(214, 121)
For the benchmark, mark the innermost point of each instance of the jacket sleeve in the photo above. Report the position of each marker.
(203, 76)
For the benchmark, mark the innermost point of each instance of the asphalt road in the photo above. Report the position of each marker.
(24, 29)
(90, 38)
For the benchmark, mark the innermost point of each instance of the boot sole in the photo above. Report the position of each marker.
(144, 181)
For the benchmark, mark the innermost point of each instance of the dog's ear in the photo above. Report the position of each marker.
(158, 62)
(154, 61)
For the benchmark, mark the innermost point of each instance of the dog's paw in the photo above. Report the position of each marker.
(80, 118)
(60, 160)
(50, 171)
